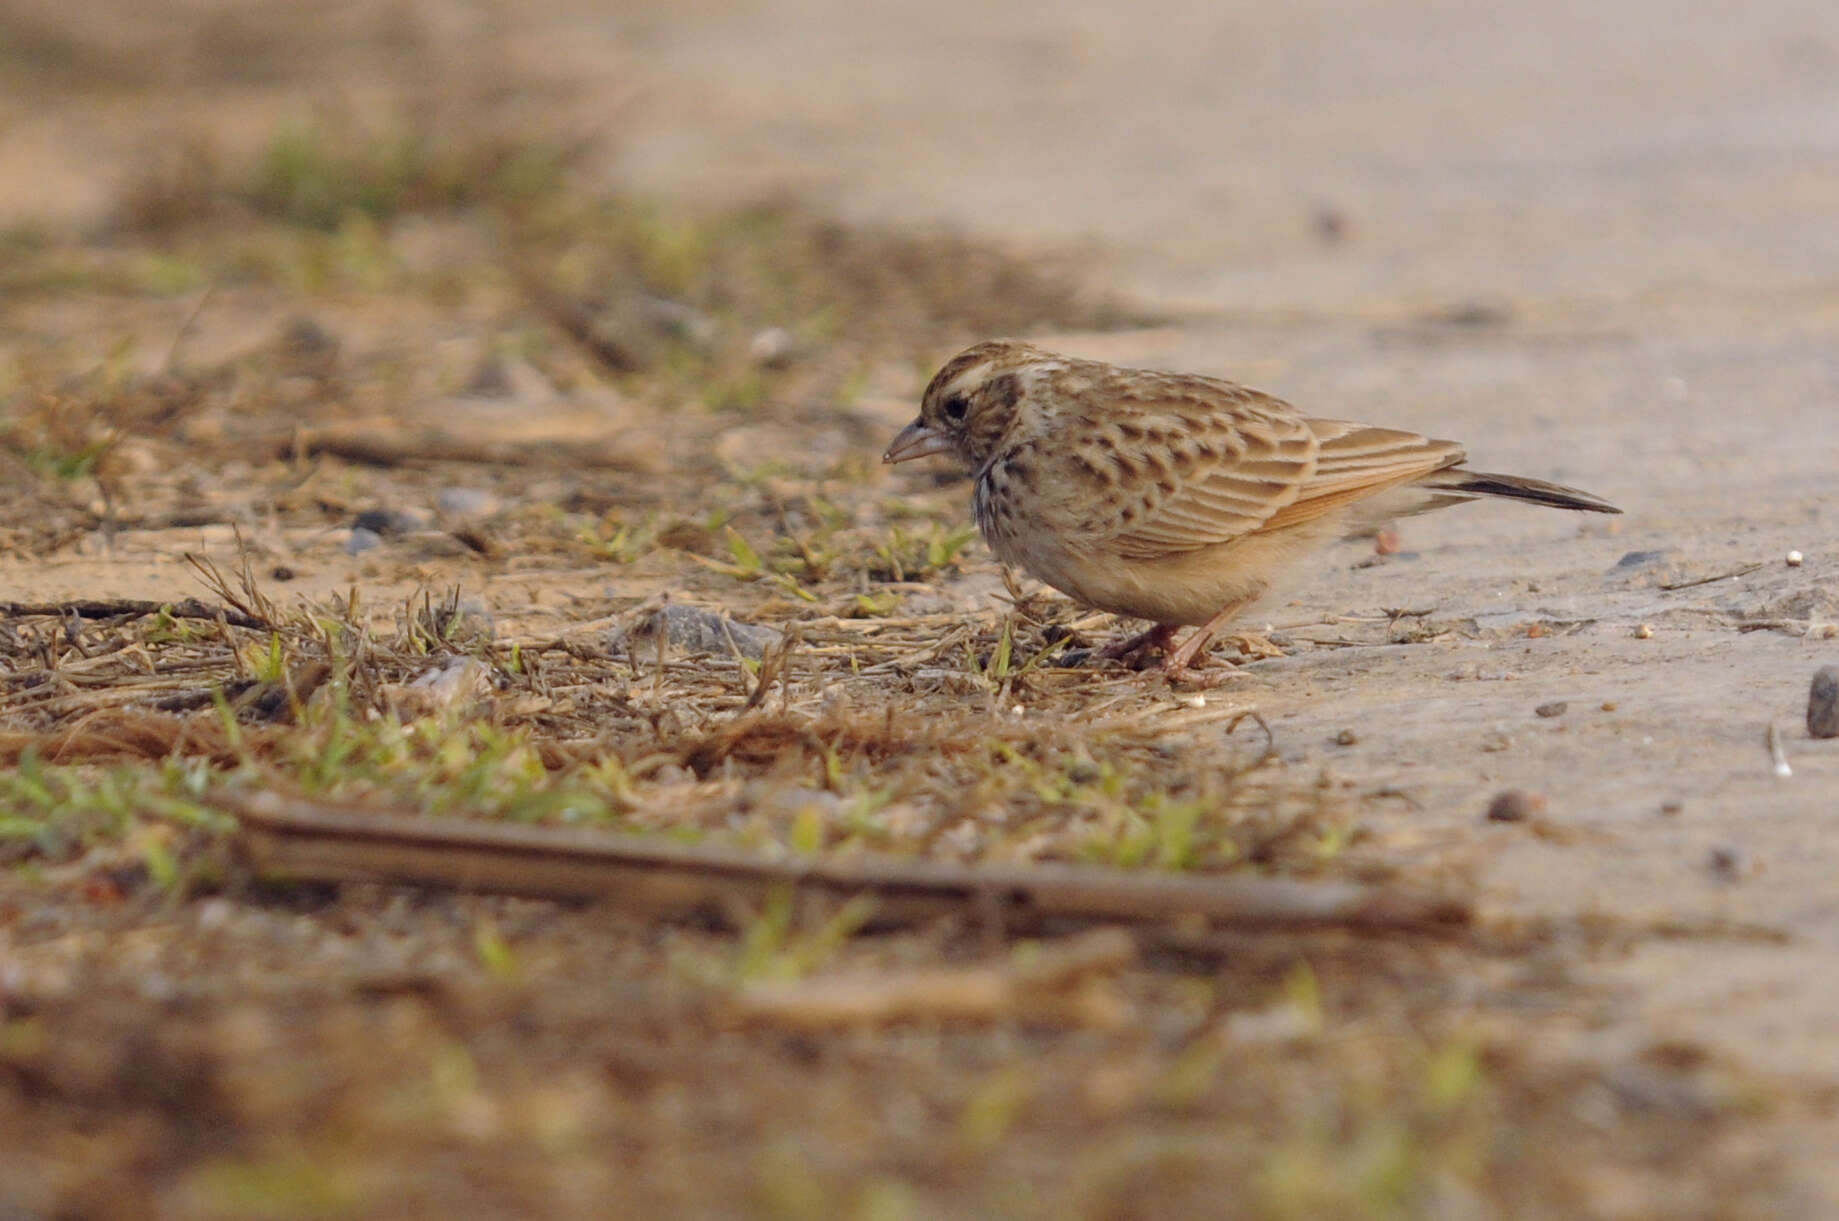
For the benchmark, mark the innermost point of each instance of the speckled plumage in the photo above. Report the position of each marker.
(1172, 497)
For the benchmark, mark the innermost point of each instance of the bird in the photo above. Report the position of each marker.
(1174, 497)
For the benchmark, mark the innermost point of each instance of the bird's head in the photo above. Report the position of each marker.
(969, 404)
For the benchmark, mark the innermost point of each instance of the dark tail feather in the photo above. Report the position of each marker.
(1464, 484)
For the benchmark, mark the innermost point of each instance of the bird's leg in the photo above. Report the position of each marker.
(1157, 637)
(1178, 665)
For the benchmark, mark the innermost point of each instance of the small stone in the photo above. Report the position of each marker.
(387, 523)
(1610, 705)
(362, 540)
(1672, 807)
(1823, 703)
(305, 348)
(490, 379)
(281, 572)
(1346, 737)
(1555, 708)
(472, 622)
(465, 502)
(1640, 559)
(1514, 805)
(771, 348)
(1330, 224)
(1645, 632)
(1727, 862)
(1795, 559)
(692, 629)
(455, 680)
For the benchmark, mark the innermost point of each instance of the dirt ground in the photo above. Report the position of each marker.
(583, 313)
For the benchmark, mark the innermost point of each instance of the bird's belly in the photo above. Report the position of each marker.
(1185, 588)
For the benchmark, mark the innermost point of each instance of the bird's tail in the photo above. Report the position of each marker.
(1453, 484)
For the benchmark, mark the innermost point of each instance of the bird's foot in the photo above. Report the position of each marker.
(1190, 674)
(1156, 638)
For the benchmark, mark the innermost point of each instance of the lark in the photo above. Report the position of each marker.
(1174, 497)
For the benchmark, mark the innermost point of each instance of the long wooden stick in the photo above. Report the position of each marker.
(304, 840)
(111, 608)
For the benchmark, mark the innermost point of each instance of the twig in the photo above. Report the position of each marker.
(1773, 739)
(186, 327)
(313, 841)
(1064, 983)
(1722, 576)
(130, 608)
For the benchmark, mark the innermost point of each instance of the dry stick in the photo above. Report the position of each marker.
(1060, 983)
(1744, 571)
(111, 608)
(314, 841)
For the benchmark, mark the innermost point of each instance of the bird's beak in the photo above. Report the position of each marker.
(916, 441)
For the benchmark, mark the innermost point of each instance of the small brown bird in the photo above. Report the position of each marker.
(1170, 496)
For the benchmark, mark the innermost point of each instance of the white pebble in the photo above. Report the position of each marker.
(1195, 701)
(1794, 559)
(1644, 632)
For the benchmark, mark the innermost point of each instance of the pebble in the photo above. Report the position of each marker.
(362, 540)
(490, 379)
(1645, 632)
(465, 502)
(1555, 708)
(692, 629)
(1823, 703)
(1346, 737)
(1640, 559)
(1727, 862)
(771, 348)
(471, 623)
(1795, 559)
(388, 522)
(446, 683)
(1514, 805)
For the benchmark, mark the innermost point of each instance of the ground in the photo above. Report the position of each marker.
(434, 350)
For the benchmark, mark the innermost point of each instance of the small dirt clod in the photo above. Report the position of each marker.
(1727, 862)
(1823, 703)
(1514, 805)
(1552, 709)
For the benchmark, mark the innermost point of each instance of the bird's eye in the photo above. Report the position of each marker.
(956, 408)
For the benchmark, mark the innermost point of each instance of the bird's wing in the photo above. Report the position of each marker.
(1355, 461)
(1204, 463)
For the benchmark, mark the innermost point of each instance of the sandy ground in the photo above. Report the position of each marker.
(1638, 198)
(1596, 243)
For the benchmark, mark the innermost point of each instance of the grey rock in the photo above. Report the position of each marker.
(1823, 703)
(1640, 559)
(691, 629)
(465, 502)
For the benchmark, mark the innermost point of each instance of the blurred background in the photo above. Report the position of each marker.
(1329, 153)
